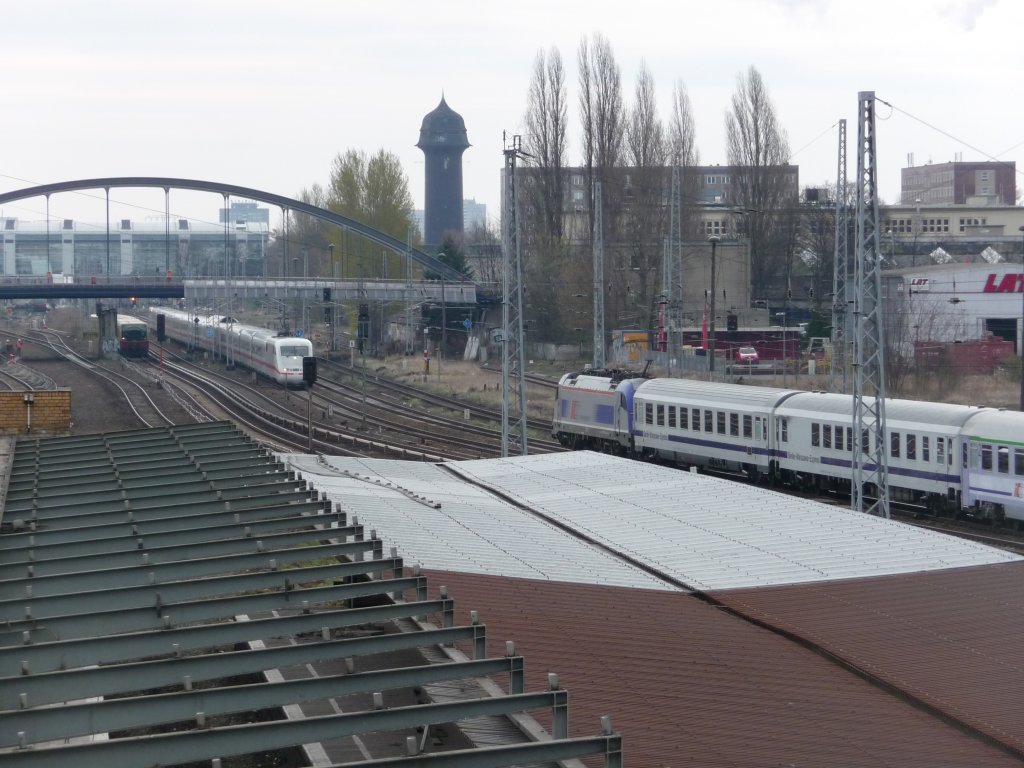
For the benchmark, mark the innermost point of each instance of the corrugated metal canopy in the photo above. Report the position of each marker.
(684, 528)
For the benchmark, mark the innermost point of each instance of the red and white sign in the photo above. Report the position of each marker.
(1009, 283)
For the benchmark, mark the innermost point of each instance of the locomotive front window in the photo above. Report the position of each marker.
(293, 350)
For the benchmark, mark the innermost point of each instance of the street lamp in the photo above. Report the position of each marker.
(711, 328)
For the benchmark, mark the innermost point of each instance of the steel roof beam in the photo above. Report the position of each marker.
(35, 657)
(132, 557)
(141, 574)
(210, 743)
(135, 619)
(118, 678)
(89, 717)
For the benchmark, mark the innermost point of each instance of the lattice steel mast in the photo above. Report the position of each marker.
(673, 269)
(598, 278)
(513, 359)
(841, 265)
(870, 464)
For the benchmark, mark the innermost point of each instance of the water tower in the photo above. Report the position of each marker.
(443, 140)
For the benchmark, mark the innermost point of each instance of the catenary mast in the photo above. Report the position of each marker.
(870, 464)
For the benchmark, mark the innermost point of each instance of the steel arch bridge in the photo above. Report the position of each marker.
(285, 203)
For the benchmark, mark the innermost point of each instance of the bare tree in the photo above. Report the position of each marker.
(546, 123)
(682, 131)
(602, 113)
(758, 150)
(645, 213)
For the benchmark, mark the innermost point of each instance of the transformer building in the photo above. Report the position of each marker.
(443, 140)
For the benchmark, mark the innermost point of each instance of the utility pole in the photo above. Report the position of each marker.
(711, 322)
(598, 277)
(870, 462)
(840, 270)
(513, 357)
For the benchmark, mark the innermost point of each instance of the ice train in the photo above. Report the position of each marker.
(276, 356)
(951, 458)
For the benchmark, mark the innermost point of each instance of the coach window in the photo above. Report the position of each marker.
(865, 442)
(849, 439)
(672, 417)
(748, 430)
(720, 419)
(784, 429)
(661, 415)
(683, 421)
(734, 424)
(649, 413)
(839, 438)
(1003, 459)
(911, 447)
(695, 419)
(815, 434)
(709, 421)
(925, 453)
(940, 454)
(826, 436)
(894, 444)
(986, 456)
(1018, 461)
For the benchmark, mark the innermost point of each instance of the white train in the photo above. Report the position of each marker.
(951, 458)
(265, 351)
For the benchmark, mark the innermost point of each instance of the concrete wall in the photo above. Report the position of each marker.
(49, 412)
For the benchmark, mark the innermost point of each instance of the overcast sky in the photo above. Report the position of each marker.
(265, 94)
